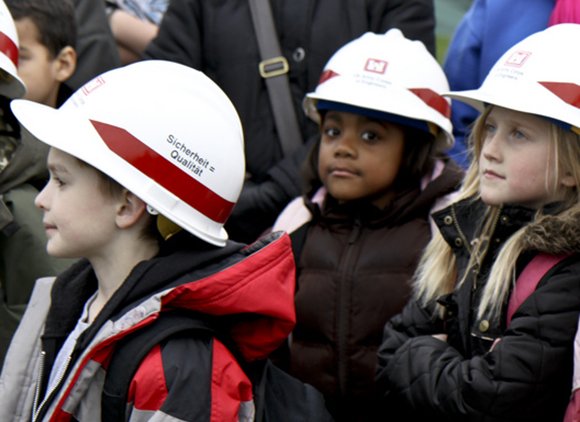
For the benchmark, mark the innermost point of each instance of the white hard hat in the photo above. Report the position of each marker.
(539, 75)
(13, 87)
(163, 130)
(387, 73)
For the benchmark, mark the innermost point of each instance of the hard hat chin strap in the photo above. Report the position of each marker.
(166, 227)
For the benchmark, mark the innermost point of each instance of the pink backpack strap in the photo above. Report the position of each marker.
(573, 409)
(529, 278)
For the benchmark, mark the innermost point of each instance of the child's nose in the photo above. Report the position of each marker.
(491, 149)
(40, 199)
(346, 145)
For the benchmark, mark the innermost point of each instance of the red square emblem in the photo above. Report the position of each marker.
(518, 58)
(376, 66)
(92, 85)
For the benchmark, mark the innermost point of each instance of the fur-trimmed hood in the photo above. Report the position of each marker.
(554, 234)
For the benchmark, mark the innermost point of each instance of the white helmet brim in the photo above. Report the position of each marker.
(150, 138)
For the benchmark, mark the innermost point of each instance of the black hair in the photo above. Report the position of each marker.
(54, 19)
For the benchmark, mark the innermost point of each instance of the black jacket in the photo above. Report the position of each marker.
(527, 375)
(217, 37)
(354, 272)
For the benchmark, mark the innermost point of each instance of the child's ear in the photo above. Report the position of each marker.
(130, 210)
(66, 63)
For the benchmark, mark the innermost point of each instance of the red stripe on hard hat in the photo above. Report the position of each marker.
(162, 171)
(326, 75)
(568, 92)
(9, 48)
(433, 100)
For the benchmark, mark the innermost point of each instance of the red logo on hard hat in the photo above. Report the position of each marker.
(376, 66)
(518, 58)
(92, 85)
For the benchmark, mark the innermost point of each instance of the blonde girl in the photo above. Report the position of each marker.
(451, 355)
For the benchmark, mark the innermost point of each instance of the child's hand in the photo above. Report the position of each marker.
(442, 337)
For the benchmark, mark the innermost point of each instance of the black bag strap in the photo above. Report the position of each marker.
(298, 238)
(132, 349)
(270, 384)
(274, 69)
(277, 386)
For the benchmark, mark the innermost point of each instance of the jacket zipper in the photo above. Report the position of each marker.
(477, 267)
(38, 382)
(343, 309)
(475, 271)
(49, 394)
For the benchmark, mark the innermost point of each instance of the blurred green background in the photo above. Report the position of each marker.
(448, 13)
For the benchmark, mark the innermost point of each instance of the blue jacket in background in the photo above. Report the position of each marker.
(488, 29)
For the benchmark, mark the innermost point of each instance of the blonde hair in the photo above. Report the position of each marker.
(437, 272)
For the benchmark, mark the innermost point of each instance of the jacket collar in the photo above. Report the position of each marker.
(191, 275)
(409, 204)
(555, 232)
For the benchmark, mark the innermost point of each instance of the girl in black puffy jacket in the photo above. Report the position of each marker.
(455, 353)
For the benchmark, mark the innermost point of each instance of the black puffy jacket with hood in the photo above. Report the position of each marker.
(527, 375)
(354, 266)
